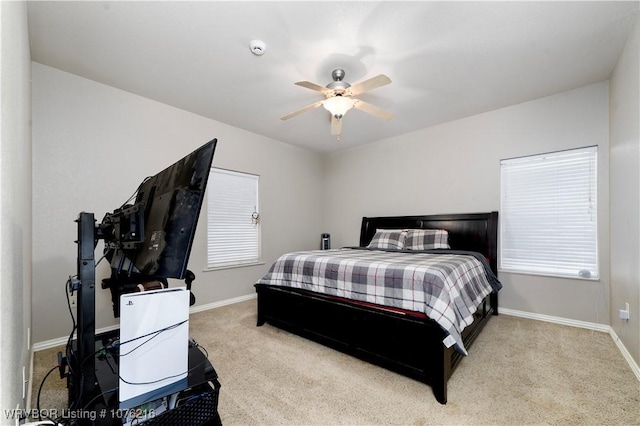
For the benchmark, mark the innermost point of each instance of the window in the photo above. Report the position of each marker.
(233, 234)
(548, 214)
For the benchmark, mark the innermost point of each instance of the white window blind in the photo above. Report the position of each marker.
(233, 236)
(548, 214)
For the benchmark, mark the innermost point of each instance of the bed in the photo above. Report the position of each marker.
(392, 324)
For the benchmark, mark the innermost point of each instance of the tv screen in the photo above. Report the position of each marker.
(172, 202)
(156, 234)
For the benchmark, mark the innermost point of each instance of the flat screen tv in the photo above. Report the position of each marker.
(152, 238)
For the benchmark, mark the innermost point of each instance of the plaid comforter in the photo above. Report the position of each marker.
(445, 285)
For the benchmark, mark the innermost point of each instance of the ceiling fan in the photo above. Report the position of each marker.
(339, 98)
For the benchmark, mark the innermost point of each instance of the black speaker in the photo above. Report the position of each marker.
(325, 242)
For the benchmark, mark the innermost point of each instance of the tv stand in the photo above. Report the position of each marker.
(93, 377)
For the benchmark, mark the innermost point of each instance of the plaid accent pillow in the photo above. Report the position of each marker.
(426, 239)
(388, 239)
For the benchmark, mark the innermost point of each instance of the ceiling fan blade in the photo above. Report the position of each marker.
(300, 111)
(336, 126)
(373, 110)
(312, 86)
(372, 83)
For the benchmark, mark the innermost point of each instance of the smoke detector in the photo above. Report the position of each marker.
(257, 47)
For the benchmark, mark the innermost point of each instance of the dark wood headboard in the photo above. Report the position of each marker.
(468, 231)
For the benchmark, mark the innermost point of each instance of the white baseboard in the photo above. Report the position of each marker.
(60, 341)
(580, 324)
(556, 320)
(222, 303)
(625, 353)
(30, 384)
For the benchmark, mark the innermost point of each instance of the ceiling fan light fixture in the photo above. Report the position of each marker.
(338, 105)
(338, 99)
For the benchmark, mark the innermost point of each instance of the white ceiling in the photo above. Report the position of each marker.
(446, 60)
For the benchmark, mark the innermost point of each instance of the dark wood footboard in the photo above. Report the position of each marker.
(402, 343)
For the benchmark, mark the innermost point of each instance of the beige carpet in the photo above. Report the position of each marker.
(518, 372)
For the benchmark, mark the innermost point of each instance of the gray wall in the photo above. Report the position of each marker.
(93, 144)
(455, 168)
(15, 204)
(625, 193)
